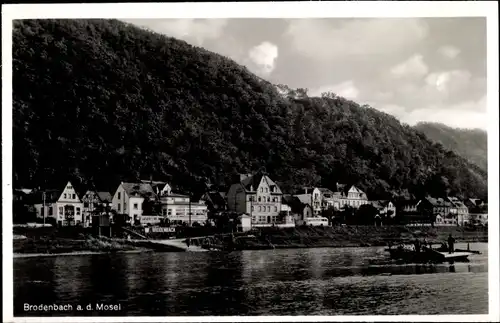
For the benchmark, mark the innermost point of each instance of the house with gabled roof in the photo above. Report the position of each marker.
(129, 199)
(350, 195)
(385, 207)
(94, 203)
(63, 205)
(444, 212)
(257, 195)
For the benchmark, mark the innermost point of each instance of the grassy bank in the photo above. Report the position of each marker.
(354, 236)
(60, 245)
(78, 240)
(63, 241)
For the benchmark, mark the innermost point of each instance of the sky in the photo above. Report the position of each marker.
(417, 69)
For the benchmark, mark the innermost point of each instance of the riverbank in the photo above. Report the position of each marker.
(62, 246)
(354, 236)
(34, 245)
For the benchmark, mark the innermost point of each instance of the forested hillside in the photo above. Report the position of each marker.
(471, 144)
(101, 101)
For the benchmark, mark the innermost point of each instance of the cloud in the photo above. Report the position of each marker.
(468, 114)
(264, 57)
(361, 37)
(191, 30)
(345, 89)
(449, 81)
(412, 67)
(449, 51)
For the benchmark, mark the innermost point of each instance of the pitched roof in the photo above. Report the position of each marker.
(254, 181)
(404, 203)
(304, 198)
(216, 198)
(105, 196)
(140, 189)
(438, 202)
(325, 190)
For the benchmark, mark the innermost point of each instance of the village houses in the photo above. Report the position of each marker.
(129, 199)
(385, 208)
(178, 208)
(256, 195)
(444, 212)
(350, 195)
(94, 203)
(63, 205)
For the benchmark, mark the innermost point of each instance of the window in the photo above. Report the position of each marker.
(61, 211)
(74, 196)
(119, 195)
(64, 195)
(275, 209)
(77, 211)
(261, 190)
(267, 190)
(136, 206)
(259, 199)
(260, 209)
(268, 208)
(252, 208)
(119, 207)
(50, 210)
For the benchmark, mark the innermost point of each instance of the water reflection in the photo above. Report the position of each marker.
(271, 282)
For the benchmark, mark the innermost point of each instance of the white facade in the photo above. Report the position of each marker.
(312, 197)
(177, 211)
(125, 204)
(354, 198)
(262, 202)
(67, 210)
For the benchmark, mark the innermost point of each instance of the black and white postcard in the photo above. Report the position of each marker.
(309, 161)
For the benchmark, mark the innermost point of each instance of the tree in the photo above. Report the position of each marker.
(144, 103)
(366, 213)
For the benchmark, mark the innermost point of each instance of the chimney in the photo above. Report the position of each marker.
(305, 188)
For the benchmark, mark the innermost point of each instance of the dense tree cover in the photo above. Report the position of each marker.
(471, 144)
(100, 101)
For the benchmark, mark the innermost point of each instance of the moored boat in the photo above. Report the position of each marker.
(427, 255)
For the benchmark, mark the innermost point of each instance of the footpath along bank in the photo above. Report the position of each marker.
(64, 241)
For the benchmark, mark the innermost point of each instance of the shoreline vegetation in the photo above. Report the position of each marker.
(293, 238)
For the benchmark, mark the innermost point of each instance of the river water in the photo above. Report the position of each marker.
(319, 281)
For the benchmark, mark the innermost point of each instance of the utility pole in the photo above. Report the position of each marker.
(190, 207)
(43, 197)
(251, 210)
(92, 209)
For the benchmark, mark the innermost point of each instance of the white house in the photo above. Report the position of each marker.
(313, 197)
(63, 205)
(351, 196)
(257, 195)
(129, 199)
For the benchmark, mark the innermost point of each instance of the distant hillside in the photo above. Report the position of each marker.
(471, 144)
(101, 101)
